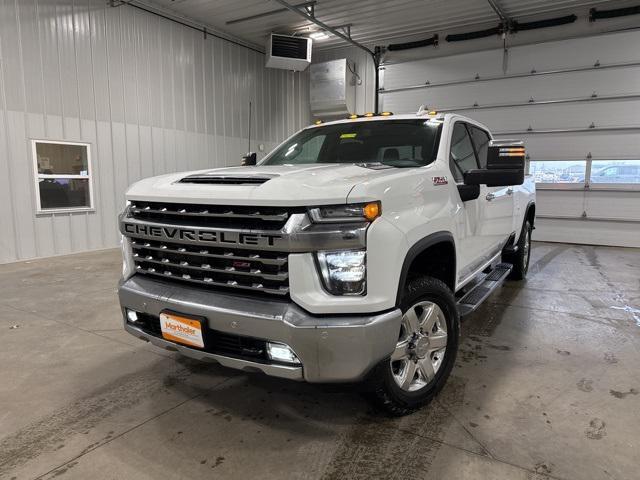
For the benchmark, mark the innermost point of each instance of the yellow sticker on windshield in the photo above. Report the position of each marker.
(348, 135)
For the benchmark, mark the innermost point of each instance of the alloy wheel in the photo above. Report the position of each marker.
(421, 346)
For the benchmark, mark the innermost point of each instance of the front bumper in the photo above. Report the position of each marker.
(331, 348)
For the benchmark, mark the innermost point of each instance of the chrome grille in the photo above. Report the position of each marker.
(234, 267)
(239, 269)
(242, 217)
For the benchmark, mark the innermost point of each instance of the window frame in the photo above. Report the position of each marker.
(37, 176)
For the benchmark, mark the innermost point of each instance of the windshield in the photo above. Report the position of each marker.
(399, 143)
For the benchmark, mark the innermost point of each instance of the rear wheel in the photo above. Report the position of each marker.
(425, 351)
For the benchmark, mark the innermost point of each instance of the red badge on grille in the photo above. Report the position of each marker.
(240, 264)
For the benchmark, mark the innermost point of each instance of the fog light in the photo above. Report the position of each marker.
(132, 316)
(281, 353)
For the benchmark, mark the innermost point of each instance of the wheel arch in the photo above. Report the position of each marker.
(441, 243)
(530, 213)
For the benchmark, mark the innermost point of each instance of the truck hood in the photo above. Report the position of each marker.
(283, 185)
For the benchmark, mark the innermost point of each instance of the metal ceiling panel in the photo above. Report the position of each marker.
(372, 20)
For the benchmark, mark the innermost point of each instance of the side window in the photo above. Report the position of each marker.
(481, 142)
(462, 157)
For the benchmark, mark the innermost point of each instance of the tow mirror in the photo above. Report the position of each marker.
(468, 192)
(249, 159)
(505, 165)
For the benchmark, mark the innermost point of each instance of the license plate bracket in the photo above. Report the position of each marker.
(183, 329)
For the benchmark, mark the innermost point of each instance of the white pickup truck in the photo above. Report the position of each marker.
(347, 254)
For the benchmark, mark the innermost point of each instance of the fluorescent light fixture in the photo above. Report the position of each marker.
(319, 36)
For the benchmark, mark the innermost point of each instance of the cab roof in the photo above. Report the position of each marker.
(421, 114)
(391, 117)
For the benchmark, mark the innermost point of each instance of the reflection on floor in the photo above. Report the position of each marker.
(546, 386)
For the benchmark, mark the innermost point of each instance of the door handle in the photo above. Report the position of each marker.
(490, 196)
(509, 191)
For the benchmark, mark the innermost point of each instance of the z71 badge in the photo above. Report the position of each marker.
(440, 180)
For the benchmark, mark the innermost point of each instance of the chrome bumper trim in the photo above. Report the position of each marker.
(331, 348)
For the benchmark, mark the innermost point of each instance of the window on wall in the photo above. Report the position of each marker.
(555, 172)
(615, 172)
(63, 176)
(619, 174)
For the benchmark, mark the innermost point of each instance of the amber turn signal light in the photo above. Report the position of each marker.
(372, 211)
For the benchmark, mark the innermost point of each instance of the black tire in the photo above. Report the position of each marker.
(520, 259)
(386, 393)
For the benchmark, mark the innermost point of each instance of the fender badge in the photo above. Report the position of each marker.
(440, 180)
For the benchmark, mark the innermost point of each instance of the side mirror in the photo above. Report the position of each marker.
(505, 165)
(468, 192)
(249, 159)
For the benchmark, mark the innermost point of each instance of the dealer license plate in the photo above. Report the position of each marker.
(181, 330)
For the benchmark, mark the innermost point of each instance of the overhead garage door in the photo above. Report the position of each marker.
(576, 103)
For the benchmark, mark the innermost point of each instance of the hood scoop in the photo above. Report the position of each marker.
(217, 179)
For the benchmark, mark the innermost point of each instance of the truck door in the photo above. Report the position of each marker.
(497, 214)
(472, 247)
(487, 221)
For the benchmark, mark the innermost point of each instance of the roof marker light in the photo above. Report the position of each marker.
(318, 122)
(352, 116)
(386, 114)
(368, 114)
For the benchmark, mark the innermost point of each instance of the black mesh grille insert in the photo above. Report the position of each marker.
(216, 342)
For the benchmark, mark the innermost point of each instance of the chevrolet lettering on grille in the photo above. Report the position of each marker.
(200, 236)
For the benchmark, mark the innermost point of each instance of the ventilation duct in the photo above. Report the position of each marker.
(332, 90)
(595, 14)
(427, 42)
(551, 22)
(460, 37)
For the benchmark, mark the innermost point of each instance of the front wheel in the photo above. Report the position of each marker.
(521, 258)
(425, 351)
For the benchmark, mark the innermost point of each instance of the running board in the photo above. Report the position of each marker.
(474, 297)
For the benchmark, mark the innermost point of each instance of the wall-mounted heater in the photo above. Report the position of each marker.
(287, 52)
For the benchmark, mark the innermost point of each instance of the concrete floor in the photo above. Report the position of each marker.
(546, 386)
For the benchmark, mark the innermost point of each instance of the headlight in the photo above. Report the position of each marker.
(344, 272)
(352, 212)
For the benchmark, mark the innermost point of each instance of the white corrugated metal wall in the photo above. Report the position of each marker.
(149, 95)
(567, 213)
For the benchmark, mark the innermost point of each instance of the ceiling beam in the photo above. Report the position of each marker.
(324, 26)
(496, 8)
(271, 12)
